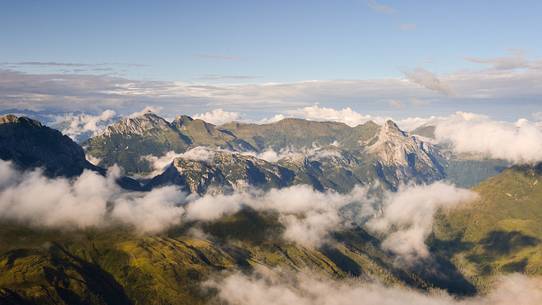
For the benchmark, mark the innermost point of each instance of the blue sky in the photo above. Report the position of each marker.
(255, 42)
(268, 40)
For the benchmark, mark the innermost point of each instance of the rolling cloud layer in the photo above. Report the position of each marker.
(273, 287)
(308, 216)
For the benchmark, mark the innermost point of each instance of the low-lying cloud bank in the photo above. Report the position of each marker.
(202, 153)
(89, 200)
(519, 142)
(308, 216)
(407, 216)
(159, 164)
(302, 288)
(218, 116)
(82, 126)
(92, 200)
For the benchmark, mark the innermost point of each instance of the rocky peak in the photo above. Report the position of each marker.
(137, 124)
(393, 146)
(223, 171)
(391, 128)
(182, 120)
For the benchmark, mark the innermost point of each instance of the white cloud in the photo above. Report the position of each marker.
(428, 80)
(92, 200)
(76, 126)
(407, 216)
(159, 164)
(76, 92)
(345, 115)
(273, 287)
(146, 109)
(519, 142)
(152, 211)
(308, 215)
(353, 118)
(273, 119)
(218, 116)
(89, 200)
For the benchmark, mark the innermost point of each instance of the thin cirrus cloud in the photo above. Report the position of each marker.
(514, 60)
(219, 77)
(380, 7)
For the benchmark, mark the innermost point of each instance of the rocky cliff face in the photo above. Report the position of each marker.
(223, 172)
(29, 144)
(400, 157)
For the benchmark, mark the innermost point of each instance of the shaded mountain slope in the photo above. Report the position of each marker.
(115, 266)
(501, 232)
(29, 144)
(225, 171)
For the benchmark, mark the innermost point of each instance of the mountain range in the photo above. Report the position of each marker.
(499, 233)
(327, 155)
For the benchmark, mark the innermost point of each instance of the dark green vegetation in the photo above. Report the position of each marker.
(501, 232)
(113, 266)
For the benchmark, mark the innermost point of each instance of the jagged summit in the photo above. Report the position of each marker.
(137, 124)
(394, 146)
(222, 171)
(181, 120)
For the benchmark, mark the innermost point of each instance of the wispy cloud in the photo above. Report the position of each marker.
(515, 60)
(69, 64)
(428, 80)
(379, 7)
(219, 77)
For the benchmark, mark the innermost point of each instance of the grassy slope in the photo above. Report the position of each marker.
(114, 266)
(501, 232)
